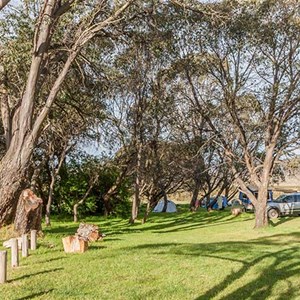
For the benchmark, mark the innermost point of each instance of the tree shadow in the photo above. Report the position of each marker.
(261, 287)
(284, 264)
(32, 296)
(35, 274)
(95, 247)
(165, 223)
(45, 261)
(63, 230)
(282, 220)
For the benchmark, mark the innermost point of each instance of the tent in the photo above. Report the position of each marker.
(171, 207)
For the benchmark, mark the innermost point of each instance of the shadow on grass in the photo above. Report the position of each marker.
(182, 220)
(282, 220)
(162, 223)
(270, 267)
(96, 247)
(63, 230)
(45, 261)
(166, 222)
(158, 223)
(32, 296)
(36, 274)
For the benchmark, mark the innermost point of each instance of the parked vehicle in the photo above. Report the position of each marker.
(245, 201)
(285, 205)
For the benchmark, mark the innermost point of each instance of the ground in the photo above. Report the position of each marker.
(175, 256)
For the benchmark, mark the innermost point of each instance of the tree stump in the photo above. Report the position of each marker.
(235, 211)
(74, 244)
(29, 212)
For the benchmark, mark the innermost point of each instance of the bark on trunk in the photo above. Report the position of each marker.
(261, 218)
(12, 183)
(29, 212)
(149, 208)
(75, 213)
(165, 202)
(195, 197)
(107, 205)
(49, 202)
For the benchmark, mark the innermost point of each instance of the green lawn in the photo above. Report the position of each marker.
(174, 256)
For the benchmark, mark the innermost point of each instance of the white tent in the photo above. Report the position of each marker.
(171, 207)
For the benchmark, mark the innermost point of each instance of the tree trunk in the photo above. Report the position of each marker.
(261, 218)
(75, 213)
(12, 178)
(195, 197)
(165, 202)
(49, 202)
(107, 205)
(147, 212)
(29, 212)
(136, 199)
(75, 206)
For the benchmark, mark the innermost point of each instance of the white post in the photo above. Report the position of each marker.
(3, 266)
(14, 253)
(24, 245)
(33, 239)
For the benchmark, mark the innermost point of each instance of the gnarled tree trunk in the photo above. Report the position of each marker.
(12, 178)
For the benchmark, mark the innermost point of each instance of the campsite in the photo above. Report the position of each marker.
(149, 149)
(173, 256)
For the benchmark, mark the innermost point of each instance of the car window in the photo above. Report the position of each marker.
(289, 199)
(297, 198)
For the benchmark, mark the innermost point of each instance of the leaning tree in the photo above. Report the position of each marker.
(23, 120)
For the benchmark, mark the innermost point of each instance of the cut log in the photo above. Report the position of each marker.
(74, 244)
(29, 212)
(235, 211)
(89, 232)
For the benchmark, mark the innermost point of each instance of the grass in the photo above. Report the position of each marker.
(174, 256)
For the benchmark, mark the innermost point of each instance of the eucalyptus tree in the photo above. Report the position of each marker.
(243, 79)
(133, 105)
(23, 119)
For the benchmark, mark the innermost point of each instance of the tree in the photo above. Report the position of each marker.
(25, 120)
(243, 76)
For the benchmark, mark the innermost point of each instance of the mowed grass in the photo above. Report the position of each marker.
(173, 256)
